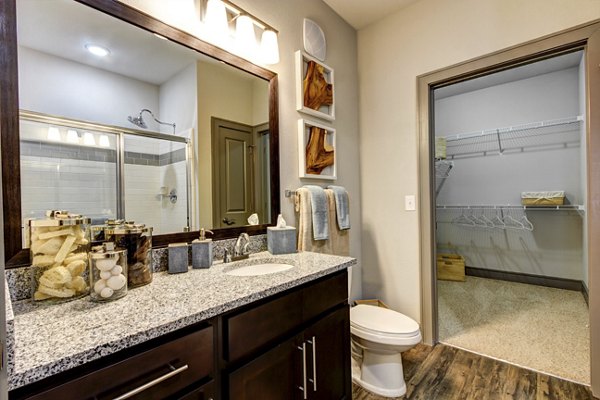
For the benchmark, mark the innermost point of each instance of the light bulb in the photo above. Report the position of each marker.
(88, 139)
(269, 48)
(245, 37)
(104, 142)
(72, 136)
(216, 21)
(53, 133)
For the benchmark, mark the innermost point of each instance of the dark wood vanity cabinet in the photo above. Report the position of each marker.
(293, 345)
(311, 359)
(314, 364)
(328, 357)
(168, 370)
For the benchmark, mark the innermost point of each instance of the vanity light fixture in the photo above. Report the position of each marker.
(72, 136)
(53, 134)
(245, 37)
(88, 139)
(103, 141)
(216, 22)
(269, 49)
(97, 50)
(218, 15)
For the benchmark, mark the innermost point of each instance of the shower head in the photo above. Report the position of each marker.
(139, 121)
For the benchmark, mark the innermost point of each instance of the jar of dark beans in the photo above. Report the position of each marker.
(137, 240)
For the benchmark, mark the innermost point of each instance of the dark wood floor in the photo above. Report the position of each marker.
(444, 373)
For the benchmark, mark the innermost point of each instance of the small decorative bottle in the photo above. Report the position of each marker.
(178, 258)
(202, 251)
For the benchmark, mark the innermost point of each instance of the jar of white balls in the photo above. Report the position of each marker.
(108, 273)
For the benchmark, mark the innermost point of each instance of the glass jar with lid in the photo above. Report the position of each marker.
(137, 240)
(108, 273)
(59, 247)
(98, 230)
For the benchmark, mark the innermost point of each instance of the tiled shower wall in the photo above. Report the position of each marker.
(76, 178)
(83, 180)
(142, 200)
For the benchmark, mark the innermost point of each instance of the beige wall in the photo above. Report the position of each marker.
(287, 16)
(226, 95)
(260, 108)
(428, 35)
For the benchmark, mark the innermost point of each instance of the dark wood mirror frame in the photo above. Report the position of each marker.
(15, 255)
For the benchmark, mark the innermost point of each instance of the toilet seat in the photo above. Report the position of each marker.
(382, 325)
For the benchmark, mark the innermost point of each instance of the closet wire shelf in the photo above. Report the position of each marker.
(442, 172)
(548, 134)
(503, 217)
(564, 207)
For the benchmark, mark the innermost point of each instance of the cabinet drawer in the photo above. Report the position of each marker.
(325, 294)
(165, 370)
(249, 330)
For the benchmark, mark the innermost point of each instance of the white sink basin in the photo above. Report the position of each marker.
(260, 269)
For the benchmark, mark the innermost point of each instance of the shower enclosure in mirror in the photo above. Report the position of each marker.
(142, 84)
(104, 172)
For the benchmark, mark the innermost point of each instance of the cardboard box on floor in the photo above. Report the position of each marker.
(371, 302)
(450, 267)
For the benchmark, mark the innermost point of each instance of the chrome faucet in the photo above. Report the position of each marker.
(241, 246)
(240, 249)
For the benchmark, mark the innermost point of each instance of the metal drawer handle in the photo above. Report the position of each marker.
(303, 388)
(313, 343)
(154, 382)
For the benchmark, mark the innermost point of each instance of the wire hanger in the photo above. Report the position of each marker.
(497, 221)
(527, 225)
(512, 223)
(462, 220)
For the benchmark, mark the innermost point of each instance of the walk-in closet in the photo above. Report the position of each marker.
(510, 190)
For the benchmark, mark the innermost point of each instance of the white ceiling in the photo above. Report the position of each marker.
(514, 74)
(360, 13)
(63, 27)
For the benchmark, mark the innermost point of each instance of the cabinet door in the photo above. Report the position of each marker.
(275, 375)
(328, 356)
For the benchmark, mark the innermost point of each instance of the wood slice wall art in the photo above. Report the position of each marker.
(314, 87)
(317, 152)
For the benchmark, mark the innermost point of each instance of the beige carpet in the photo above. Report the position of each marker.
(539, 328)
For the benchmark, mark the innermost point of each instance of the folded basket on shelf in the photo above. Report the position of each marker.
(548, 198)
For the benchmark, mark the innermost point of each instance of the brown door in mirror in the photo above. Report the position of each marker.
(233, 175)
(262, 175)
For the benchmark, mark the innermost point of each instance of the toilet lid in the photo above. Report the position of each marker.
(382, 320)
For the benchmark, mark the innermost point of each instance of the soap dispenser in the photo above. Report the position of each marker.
(202, 251)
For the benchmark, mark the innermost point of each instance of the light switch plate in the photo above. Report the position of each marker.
(409, 202)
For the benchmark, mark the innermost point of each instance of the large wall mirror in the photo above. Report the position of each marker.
(165, 129)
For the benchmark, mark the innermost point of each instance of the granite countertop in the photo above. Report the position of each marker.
(49, 339)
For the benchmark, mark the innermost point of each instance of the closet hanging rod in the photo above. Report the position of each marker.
(575, 207)
(515, 128)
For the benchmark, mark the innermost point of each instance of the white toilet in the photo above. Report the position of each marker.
(379, 335)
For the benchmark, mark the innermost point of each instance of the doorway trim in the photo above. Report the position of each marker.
(587, 37)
